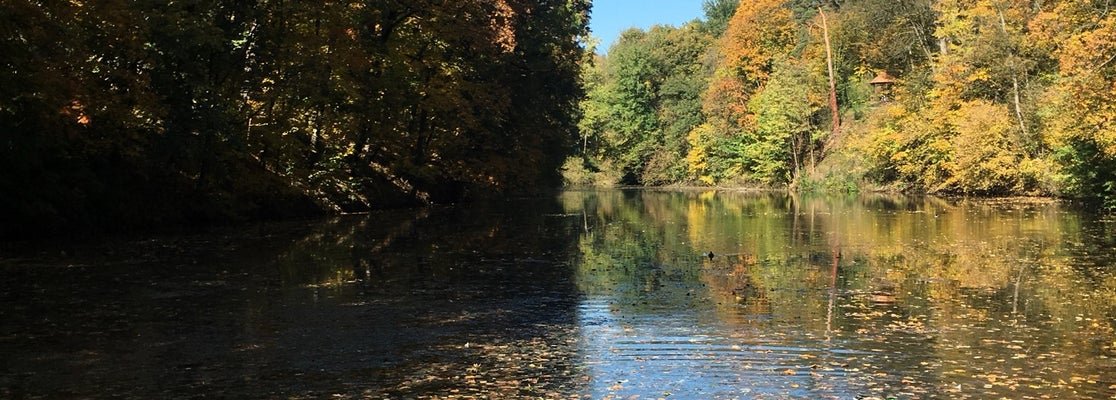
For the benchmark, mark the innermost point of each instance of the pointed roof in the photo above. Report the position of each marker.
(883, 79)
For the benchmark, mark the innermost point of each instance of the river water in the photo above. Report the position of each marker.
(587, 294)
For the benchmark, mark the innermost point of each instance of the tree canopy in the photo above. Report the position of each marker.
(989, 97)
(128, 113)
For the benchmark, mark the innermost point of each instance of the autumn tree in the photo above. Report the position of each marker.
(987, 97)
(758, 35)
(210, 110)
(1082, 115)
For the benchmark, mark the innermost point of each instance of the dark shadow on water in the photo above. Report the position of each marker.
(390, 304)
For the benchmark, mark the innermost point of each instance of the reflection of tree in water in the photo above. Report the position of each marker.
(731, 285)
(643, 265)
(928, 297)
(941, 295)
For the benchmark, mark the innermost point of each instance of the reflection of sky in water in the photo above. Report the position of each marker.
(687, 354)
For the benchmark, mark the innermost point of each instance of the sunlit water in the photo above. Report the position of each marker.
(607, 294)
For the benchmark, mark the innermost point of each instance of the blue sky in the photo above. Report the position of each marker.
(610, 17)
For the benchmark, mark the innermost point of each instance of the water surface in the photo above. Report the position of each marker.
(590, 294)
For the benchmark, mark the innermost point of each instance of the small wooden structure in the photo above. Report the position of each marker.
(882, 84)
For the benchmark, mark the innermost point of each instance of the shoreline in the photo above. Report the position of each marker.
(753, 189)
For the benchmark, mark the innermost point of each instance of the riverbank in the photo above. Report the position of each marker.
(881, 190)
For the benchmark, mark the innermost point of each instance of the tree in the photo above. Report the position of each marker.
(644, 99)
(1082, 116)
(758, 35)
(992, 97)
(133, 113)
(783, 125)
(717, 15)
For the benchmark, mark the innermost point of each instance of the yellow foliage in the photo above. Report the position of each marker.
(1083, 96)
(697, 158)
(953, 146)
(978, 75)
(985, 158)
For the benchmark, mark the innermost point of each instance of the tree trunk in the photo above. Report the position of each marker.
(1014, 84)
(1018, 108)
(795, 149)
(832, 80)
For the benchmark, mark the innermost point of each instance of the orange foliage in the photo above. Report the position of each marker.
(726, 100)
(502, 26)
(759, 32)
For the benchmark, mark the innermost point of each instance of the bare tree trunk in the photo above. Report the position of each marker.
(795, 148)
(832, 79)
(1018, 108)
(922, 41)
(1014, 83)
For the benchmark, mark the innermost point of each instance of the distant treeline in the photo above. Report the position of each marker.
(120, 113)
(987, 97)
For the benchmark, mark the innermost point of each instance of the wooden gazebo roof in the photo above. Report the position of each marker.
(883, 79)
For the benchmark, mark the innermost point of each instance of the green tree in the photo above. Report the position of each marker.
(784, 129)
(643, 100)
(717, 15)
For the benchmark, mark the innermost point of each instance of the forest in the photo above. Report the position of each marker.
(859, 199)
(121, 114)
(976, 97)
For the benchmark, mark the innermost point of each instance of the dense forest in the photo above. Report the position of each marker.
(138, 114)
(976, 97)
(119, 113)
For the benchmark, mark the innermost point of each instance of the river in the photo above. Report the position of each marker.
(611, 294)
